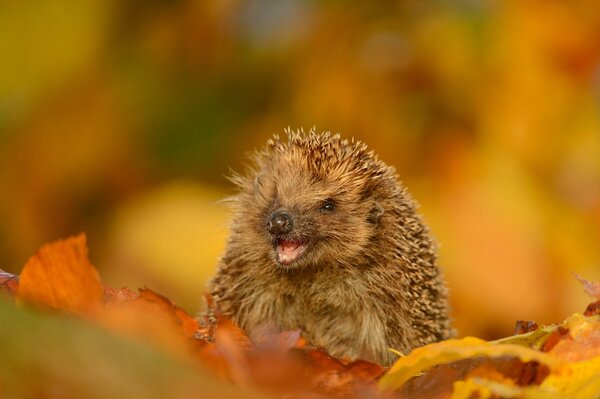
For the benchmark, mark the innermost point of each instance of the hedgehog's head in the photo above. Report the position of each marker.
(313, 199)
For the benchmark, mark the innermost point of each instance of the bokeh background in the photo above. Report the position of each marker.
(122, 118)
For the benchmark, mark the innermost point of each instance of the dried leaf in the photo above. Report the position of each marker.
(593, 309)
(575, 381)
(227, 355)
(583, 342)
(9, 285)
(534, 339)
(451, 350)
(188, 324)
(115, 296)
(439, 381)
(61, 276)
(341, 377)
(525, 326)
(282, 350)
(146, 321)
(45, 355)
(552, 362)
(554, 338)
(482, 388)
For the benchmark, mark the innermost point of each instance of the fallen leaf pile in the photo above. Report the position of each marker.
(70, 336)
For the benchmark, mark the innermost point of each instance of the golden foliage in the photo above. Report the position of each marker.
(553, 362)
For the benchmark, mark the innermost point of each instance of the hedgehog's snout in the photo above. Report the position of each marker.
(287, 249)
(280, 223)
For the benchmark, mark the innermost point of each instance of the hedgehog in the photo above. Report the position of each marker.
(325, 239)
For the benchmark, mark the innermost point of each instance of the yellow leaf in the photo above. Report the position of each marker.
(482, 388)
(576, 380)
(534, 339)
(452, 350)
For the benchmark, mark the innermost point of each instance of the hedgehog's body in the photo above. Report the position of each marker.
(326, 240)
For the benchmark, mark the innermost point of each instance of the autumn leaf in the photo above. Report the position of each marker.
(574, 344)
(61, 276)
(574, 381)
(116, 296)
(342, 377)
(425, 357)
(148, 321)
(227, 354)
(533, 339)
(47, 355)
(554, 361)
(593, 309)
(188, 324)
(583, 342)
(525, 326)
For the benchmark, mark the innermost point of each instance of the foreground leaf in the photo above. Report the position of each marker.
(117, 296)
(583, 341)
(47, 355)
(452, 350)
(341, 377)
(553, 362)
(188, 324)
(574, 381)
(534, 339)
(61, 276)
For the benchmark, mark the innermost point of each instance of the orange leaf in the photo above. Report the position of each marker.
(116, 296)
(61, 276)
(582, 341)
(227, 355)
(188, 324)
(147, 321)
(342, 377)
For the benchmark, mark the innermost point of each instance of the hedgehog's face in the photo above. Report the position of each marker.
(307, 218)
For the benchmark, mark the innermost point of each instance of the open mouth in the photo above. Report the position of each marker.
(288, 251)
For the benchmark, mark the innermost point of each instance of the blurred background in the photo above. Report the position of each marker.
(122, 118)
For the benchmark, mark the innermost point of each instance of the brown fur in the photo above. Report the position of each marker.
(368, 280)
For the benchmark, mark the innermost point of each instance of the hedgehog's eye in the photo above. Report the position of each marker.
(328, 206)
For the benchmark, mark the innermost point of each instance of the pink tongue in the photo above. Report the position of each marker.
(289, 246)
(288, 251)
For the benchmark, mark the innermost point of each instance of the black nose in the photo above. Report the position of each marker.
(280, 223)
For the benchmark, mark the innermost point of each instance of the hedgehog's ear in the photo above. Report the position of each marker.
(375, 213)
